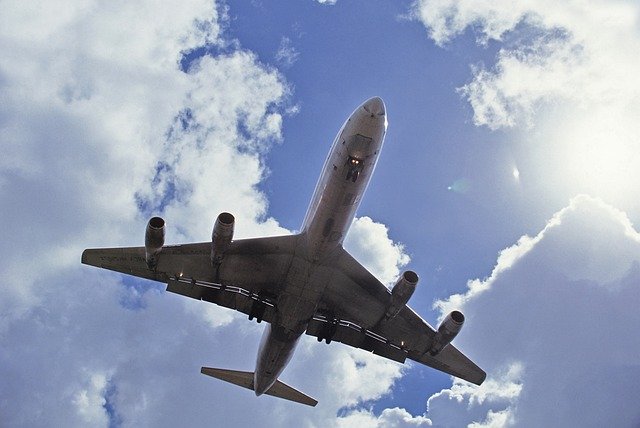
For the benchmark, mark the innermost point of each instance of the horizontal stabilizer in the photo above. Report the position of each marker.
(245, 380)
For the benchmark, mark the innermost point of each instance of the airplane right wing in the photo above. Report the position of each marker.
(352, 312)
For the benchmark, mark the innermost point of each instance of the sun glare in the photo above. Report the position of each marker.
(600, 157)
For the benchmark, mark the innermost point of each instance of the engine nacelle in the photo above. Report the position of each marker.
(221, 236)
(153, 241)
(401, 292)
(448, 329)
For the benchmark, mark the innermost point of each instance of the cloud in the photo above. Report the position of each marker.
(215, 148)
(562, 82)
(90, 401)
(101, 127)
(578, 52)
(287, 54)
(564, 73)
(85, 127)
(394, 418)
(377, 252)
(486, 405)
(553, 327)
(80, 121)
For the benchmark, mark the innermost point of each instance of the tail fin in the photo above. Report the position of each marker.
(245, 380)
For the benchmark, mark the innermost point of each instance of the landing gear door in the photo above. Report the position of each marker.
(357, 148)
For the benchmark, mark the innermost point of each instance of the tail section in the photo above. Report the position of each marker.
(245, 380)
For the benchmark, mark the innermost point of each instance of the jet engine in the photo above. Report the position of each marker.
(448, 329)
(153, 241)
(221, 236)
(401, 292)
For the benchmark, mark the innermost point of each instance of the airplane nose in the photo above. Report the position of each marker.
(375, 106)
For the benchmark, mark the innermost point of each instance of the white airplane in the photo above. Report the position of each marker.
(303, 283)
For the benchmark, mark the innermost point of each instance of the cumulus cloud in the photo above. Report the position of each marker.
(79, 122)
(580, 52)
(93, 107)
(563, 81)
(568, 71)
(101, 127)
(394, 418)
(214, 148)
(553, 326)
(377, 252)
(90, 401)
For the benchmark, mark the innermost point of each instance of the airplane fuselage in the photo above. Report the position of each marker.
(344, 179)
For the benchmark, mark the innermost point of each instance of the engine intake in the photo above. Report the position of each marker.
(448, 329)
(221, 237)
(153, 241)
(401, 293)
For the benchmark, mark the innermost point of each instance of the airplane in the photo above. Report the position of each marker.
(305, 282)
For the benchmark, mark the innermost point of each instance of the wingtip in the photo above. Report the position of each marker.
(481, 379)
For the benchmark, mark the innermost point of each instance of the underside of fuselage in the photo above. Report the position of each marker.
(344, 179)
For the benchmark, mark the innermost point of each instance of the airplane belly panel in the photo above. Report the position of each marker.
(304, 286)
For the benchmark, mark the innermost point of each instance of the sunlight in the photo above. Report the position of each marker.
(600, 155)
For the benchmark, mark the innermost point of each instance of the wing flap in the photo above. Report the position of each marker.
(252, 304)
(355, 336)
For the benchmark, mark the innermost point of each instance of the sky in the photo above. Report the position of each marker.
(509, 182)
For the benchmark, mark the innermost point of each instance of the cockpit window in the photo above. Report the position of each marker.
(358, 145)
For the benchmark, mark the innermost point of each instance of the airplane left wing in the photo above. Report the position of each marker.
(248, 280)
(352, 312)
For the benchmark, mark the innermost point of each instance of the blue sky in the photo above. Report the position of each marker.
(111, 112)
(345, 58)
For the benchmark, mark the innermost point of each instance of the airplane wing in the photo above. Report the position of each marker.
(248, 280)
(352, 312)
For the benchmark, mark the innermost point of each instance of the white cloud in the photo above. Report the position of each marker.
(490, 404)
(369, 241)
(287, 54)
(96, 121)
(393, 418)
(79, 121)
(92, 107)
(90, 401)
(568, 71)
(564, 80)
(579, 51)
(215, 147)
(553, 326)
